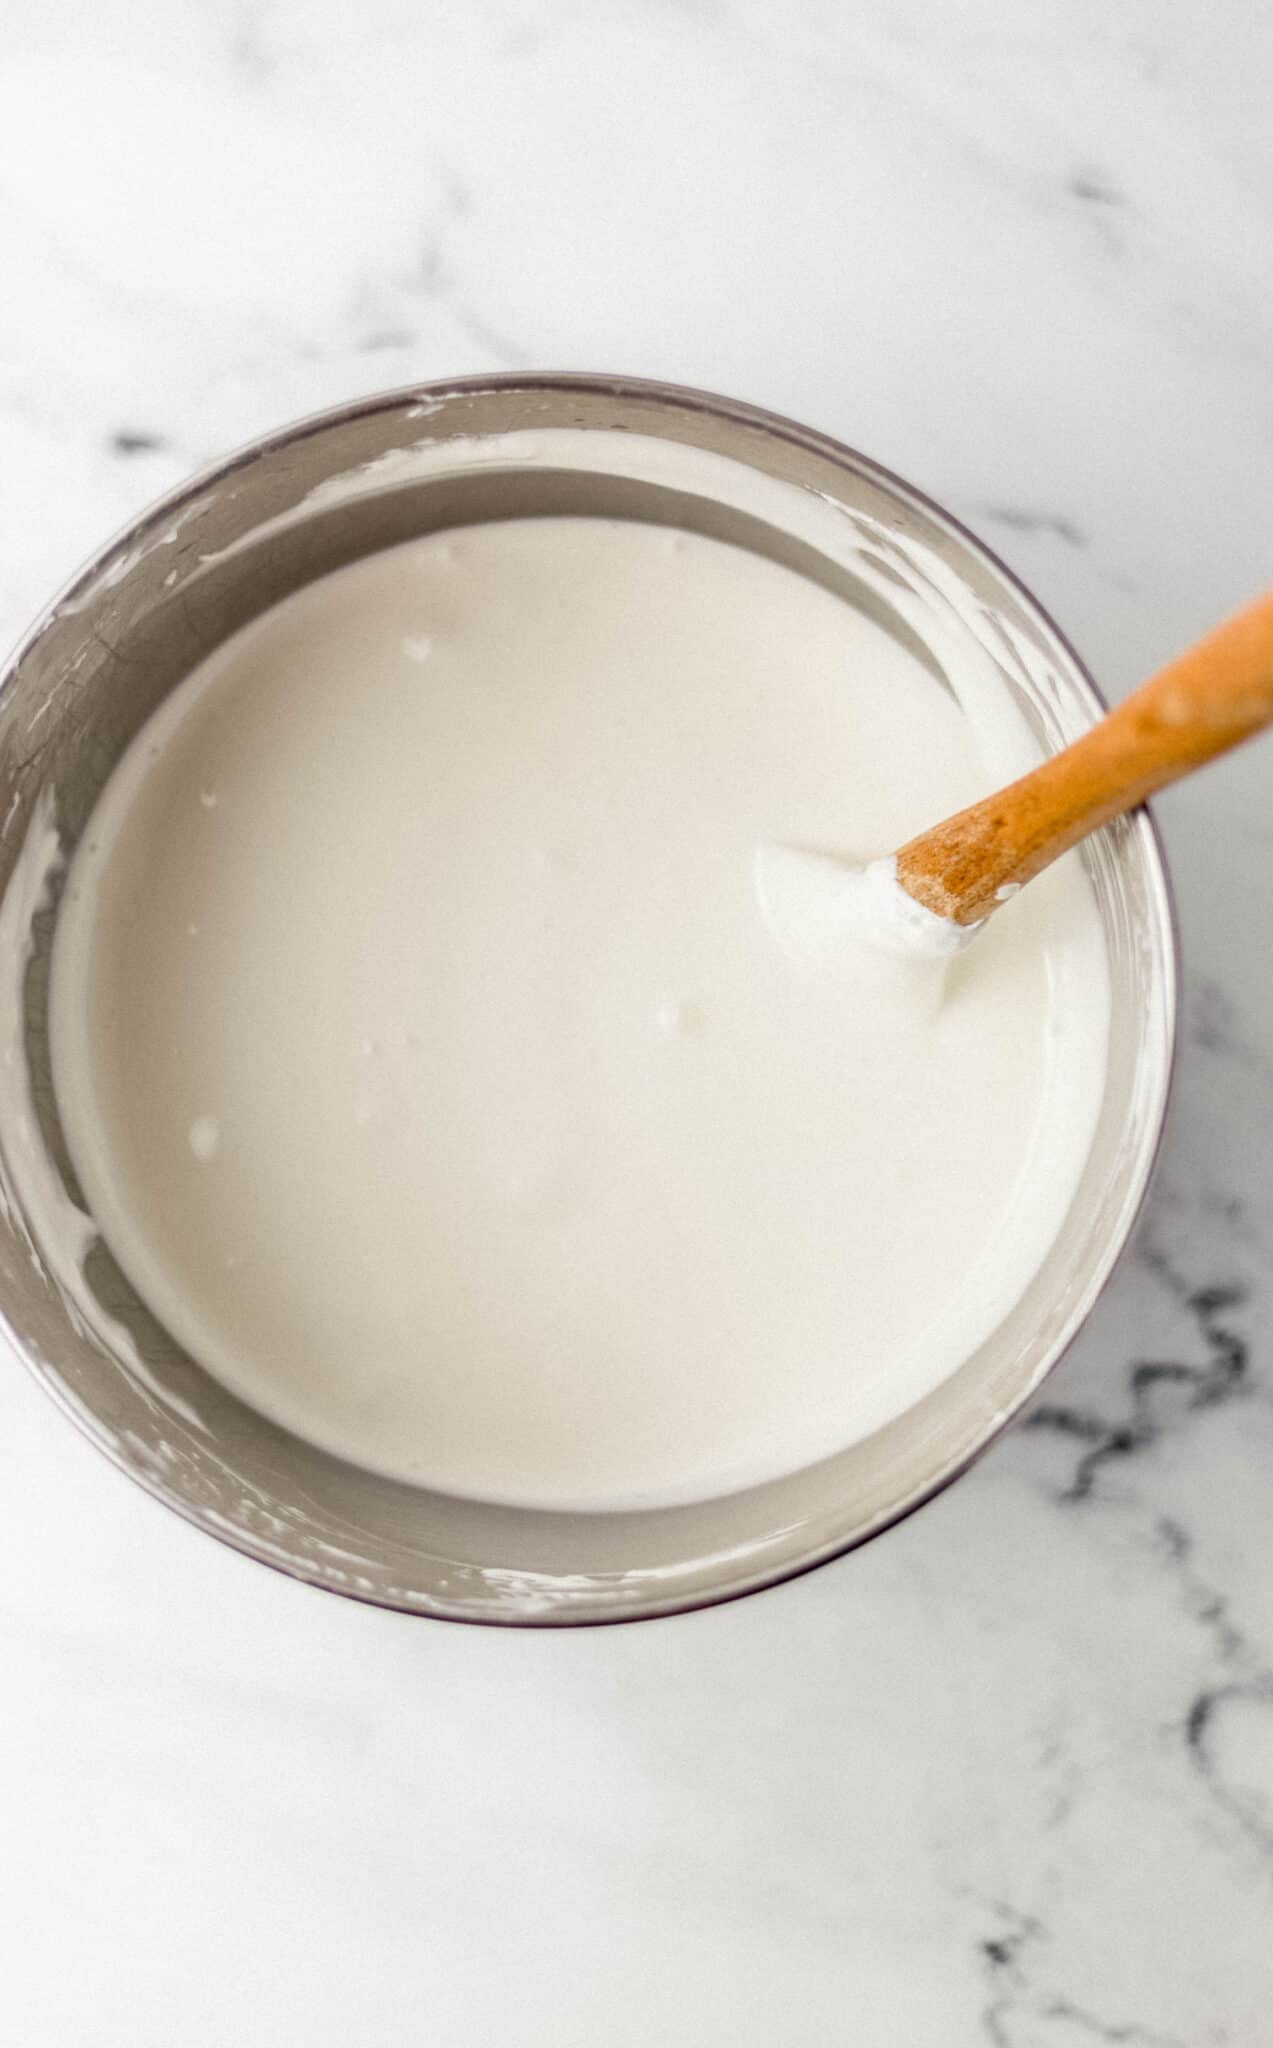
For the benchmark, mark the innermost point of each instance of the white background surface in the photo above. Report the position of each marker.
(1006, 1777)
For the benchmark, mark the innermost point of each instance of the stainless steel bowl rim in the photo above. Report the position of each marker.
(162, 511)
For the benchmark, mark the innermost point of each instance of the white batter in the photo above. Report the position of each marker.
(430, 1069)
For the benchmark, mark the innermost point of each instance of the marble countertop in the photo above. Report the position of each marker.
(1006, 1777)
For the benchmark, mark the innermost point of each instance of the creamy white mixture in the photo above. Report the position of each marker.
(430, 1067)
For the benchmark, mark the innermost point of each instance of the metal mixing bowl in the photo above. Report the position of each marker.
(210, 557)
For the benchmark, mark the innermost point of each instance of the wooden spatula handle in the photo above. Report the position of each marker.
(1218, 693)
